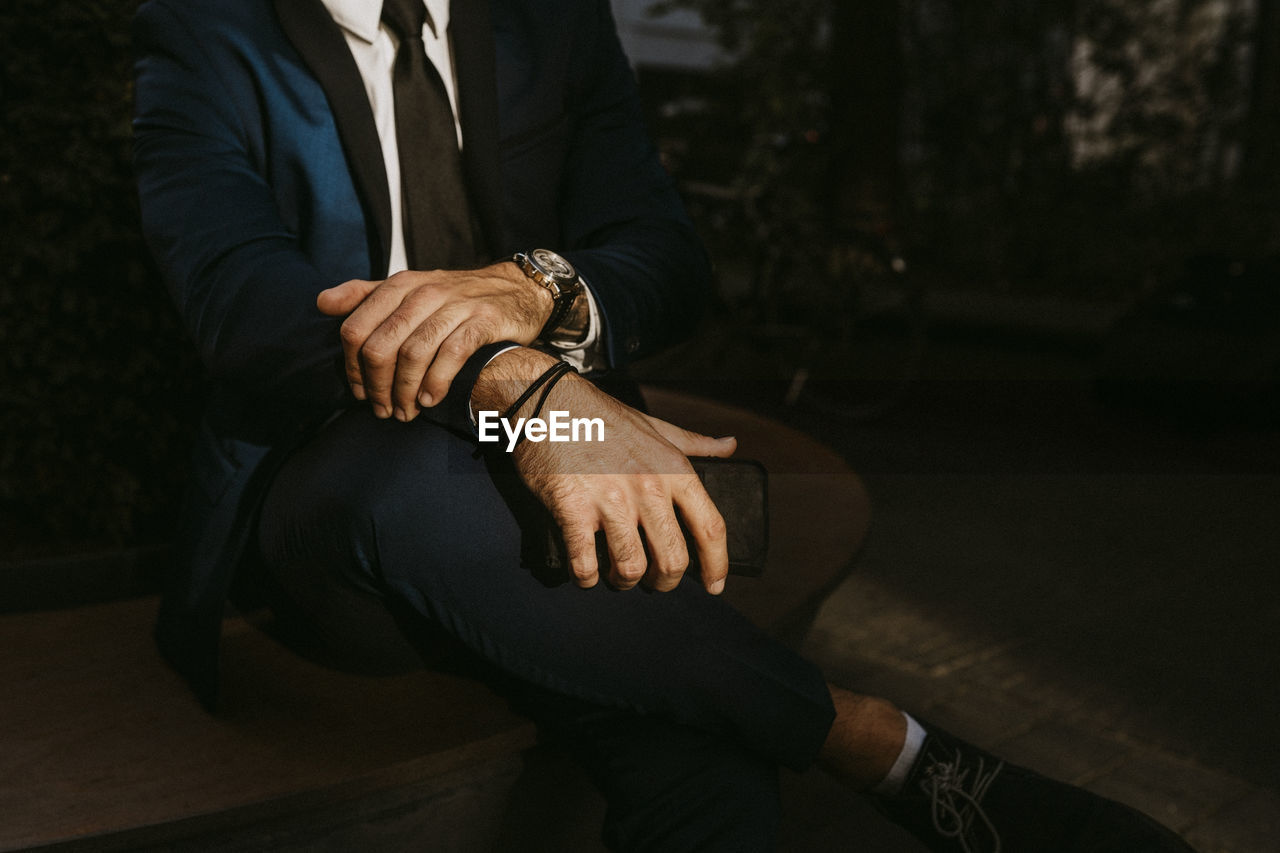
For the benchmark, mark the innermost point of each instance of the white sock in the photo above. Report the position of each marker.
(892, 784)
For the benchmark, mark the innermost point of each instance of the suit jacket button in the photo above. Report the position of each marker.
(633, 344)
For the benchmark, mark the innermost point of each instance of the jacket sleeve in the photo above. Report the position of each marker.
(245, 291)
(626, 230)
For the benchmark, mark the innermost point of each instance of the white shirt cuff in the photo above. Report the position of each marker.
(471, 408)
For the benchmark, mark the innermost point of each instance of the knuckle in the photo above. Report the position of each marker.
(630, 559)
(630, 570)
(614, 497)
(714, 528)
(457, 347)
(676, 554)
(579, 542)
(377, 354)
(397, 324)
(626, 549)
(673, 570)
(350, 334)
(672, 559)
(415, 350)
(417, 300)
(432, 330)
(653, 488)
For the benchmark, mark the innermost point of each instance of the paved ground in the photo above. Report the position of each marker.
(1089, 592)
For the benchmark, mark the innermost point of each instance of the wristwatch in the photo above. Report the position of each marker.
(559, 278)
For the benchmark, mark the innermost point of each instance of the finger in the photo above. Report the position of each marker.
(580, 544)
(343, 298)
(668, 556)
(396, 316)
(693, 443)
(706, 526)
(451, 353)
(626, 552)
(416, 354)
(356, 330)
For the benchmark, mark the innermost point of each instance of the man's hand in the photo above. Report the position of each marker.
(406, 337)
(630, 486)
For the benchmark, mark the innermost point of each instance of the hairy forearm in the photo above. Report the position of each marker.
(506, 377)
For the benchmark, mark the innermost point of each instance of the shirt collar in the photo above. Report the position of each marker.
(361, 18)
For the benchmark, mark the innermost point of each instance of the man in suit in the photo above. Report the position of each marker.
(368, 213)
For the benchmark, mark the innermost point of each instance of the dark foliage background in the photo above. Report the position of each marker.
(96, 388)
(1082, 148)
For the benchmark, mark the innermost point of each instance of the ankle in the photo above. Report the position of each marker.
(865, 740)
(894, 781)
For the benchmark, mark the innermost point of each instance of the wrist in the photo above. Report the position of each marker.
(559, 279)
(536, 298)
(575, 326)
(506, 377)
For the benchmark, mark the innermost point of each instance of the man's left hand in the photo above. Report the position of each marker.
(405, 338)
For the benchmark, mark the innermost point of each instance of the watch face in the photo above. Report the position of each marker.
(552, 264)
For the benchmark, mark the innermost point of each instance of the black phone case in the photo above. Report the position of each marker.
(740, 490)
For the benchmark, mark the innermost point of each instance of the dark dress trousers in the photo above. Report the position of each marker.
(261, 182)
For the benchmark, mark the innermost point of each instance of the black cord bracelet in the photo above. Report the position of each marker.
(547, 375)
(547, 378)
(546, 389)
(546, 382)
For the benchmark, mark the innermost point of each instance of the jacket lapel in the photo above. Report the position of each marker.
(324, 50)
(471, 30)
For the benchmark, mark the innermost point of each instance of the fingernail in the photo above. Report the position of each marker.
(381, 411)
(717, 587)
(357, 391)
(425, 400)
(402, 415)
(727, 438)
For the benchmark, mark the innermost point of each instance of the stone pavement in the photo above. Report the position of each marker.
(992, 693)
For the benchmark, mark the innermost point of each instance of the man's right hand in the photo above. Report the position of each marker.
(637, 480)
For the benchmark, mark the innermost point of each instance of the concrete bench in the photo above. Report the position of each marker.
(102, 747)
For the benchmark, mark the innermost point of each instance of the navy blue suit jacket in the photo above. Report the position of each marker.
(262, 183)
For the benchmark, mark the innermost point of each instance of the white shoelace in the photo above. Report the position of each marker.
(954, 808)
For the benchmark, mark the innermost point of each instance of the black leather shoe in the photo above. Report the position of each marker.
(960, 798)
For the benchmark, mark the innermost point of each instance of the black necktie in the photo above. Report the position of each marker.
(438, 229)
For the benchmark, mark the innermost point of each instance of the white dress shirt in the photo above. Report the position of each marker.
(373, 46)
